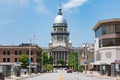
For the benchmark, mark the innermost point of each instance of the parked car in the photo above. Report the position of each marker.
(69, 71)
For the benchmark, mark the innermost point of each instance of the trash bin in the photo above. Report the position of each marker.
(109, 73)
(2, 76)
(18, 73)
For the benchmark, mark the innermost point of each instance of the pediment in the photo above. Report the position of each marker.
(60, 48)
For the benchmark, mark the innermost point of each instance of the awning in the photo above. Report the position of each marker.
(99, 63)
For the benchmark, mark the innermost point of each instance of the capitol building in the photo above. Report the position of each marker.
(60, 45)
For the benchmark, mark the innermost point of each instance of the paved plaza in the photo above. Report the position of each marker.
(62, 75)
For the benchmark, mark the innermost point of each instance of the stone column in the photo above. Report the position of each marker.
(55, 57)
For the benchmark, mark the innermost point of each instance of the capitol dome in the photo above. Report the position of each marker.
(59, 19)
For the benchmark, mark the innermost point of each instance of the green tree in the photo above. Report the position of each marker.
(61, 62)
(45, 58)
(81, 68)
(73, 60)
(50, 60)
(24, 60)
(48, 67)
(47, 62)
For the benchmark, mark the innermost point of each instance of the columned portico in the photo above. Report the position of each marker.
(59, 53)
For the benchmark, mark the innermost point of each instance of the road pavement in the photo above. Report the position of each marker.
(63, 75)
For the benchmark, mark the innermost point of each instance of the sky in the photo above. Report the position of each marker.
(22, 20)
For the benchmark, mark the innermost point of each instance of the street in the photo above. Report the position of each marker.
(62, 75)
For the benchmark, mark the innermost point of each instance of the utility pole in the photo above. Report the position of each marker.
(42, 61)
(74, 61)
(85, 58)
(30, 44)
(86, 47)
(30, 57)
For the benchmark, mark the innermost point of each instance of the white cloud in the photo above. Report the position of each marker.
(4, 22)
(15, 2)
(73, 4)
(40, 8)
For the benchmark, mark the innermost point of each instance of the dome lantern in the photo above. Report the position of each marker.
(59, 19)
(60, 12)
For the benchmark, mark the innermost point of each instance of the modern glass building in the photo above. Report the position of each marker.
(107, 45)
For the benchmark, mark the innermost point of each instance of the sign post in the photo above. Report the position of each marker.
(85, 66)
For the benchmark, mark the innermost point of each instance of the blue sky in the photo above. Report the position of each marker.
(21, 19)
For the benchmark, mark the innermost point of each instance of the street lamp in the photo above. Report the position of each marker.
(74, 61)
(30, 57)
(42, 61)
(86, 45)
(30, 44)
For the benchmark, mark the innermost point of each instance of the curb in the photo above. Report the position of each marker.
(108, 77)
(28, 76)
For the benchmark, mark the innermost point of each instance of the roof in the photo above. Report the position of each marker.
(59, 19)
(105, 21)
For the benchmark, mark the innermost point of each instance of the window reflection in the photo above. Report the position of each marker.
(110, 42)
(108, 29)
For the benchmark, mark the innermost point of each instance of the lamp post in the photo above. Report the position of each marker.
(30, 44)
(30, 57)
(42, 62)
(85, 59)
(86, 45)
(74, 61)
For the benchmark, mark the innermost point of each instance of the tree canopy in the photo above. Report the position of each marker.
(24, 60)
(61, 62)
(73, 60)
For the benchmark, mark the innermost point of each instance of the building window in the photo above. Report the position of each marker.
(31, 59)
(104, 29)
(8, 52)
(4, 59)
(4, 52)
(20, 52)
(8, 59)
(98, 56)
(15, 52)
(16, 59)
(110, 42)
(27, 52)
(32, 52)
(65, 29)
(117, 28)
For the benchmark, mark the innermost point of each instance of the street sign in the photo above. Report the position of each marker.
(92, 61)
(78, 65)
(85, 62)
(29, 61)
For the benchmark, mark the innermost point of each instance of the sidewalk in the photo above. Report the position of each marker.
(22, 76)
(118, 78)
(96, 74)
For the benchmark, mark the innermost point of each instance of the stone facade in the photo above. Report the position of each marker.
(59, 46)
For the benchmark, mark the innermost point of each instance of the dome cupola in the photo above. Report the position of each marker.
(59, 19)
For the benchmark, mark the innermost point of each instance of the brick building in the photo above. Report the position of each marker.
(9, 55)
